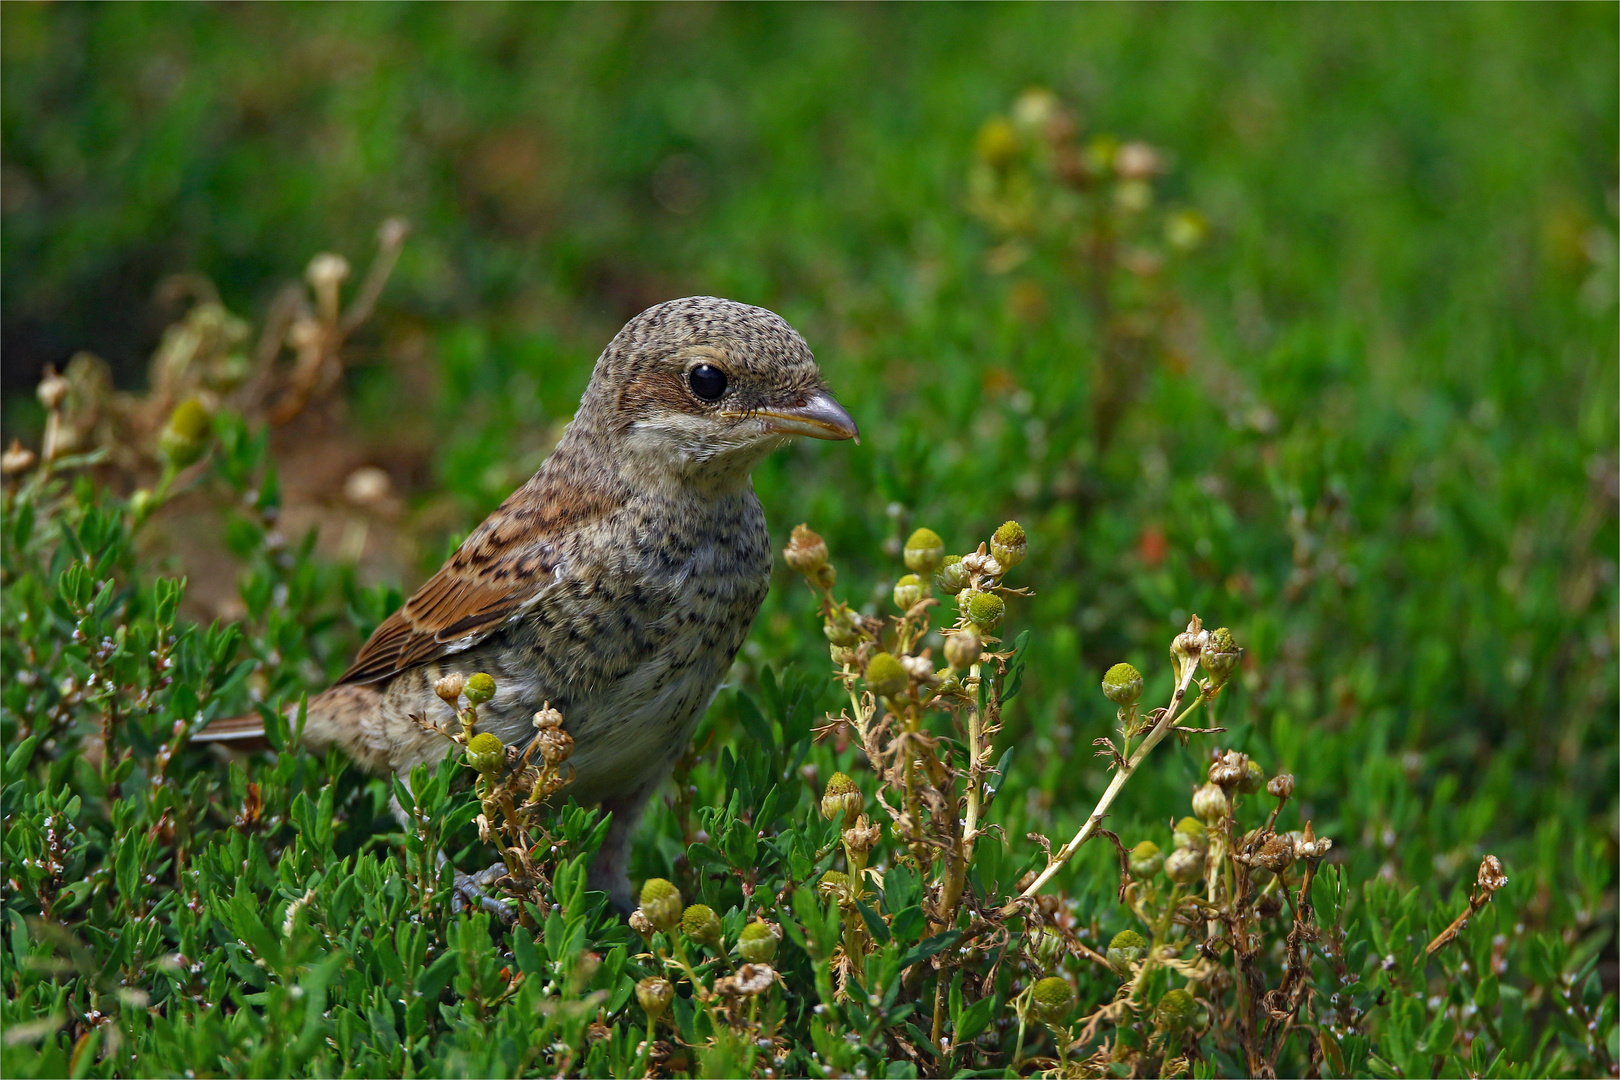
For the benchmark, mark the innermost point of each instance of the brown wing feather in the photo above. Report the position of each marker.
(501, 568)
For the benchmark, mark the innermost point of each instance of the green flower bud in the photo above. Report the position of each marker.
(885, 676)
(654, 994)
(757, 943)
(1220, 655)
(1184, 865)
(1127, 947)
(1009, 545)
(924, 551)
(1052, 1000)
(951, 577)
(185, 437)
(701, 924)
(1050, 948)
(1191, 834)
(806, 552)
(1146, 859)
(1254, 777)
(842, 801)
(1209, 804)
(963, 649)
(480, 688)
(908, 591)
(1122, 684)
(834, 884)
(661, 904)
(1175, 1011)
(840, 627)
(486, 753)
(986, 610)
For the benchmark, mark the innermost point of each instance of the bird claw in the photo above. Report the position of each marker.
(469, 890)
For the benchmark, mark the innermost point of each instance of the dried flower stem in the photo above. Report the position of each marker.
(1121, 778)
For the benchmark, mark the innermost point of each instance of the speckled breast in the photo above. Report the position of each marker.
(635, 637)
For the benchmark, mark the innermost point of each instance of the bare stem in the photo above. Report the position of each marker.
(1121, 778)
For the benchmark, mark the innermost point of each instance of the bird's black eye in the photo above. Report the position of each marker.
(707, 382)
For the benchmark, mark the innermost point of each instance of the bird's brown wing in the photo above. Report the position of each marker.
(503, 568)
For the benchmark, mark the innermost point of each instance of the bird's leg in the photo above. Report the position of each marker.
(468, 888)
(608, 871)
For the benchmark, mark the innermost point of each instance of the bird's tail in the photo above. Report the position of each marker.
(244, 733)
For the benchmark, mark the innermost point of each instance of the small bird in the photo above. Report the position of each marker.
(617, 583)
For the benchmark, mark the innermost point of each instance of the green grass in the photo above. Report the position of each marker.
(1383, 451)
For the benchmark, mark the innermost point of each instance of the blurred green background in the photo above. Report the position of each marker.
(1384, 452)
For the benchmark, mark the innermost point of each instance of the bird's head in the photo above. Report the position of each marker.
(703, 388)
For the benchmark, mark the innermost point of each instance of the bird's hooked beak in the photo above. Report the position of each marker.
(820, 418)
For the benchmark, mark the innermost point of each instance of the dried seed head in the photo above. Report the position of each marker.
(1009, 545)
(1228, 770)
(951, 577)
(921, 669)
(806, 552)
(661, 904)
(1190, 833)
(17, 458)
(1184, 865)
(1491, 876)
(757, 942)
(841, 801)
(1209, 804)
(1126, 949)
(908, 591)
(861, 837)
(982, 564)
(1175, 1011)
(547, 717)
(1052, 1000)
(638, 923)
(1309, 846)
(480, 688)
(963, 649)
(555, 745)
(1276, 855)
(52, 389)
(985, 609)
(1146, 859)
(885, 676)
(486, 753)
(449, 687)
(1122, 684)
(654, 994)
(924, 551)
(750, 979)
(702, 925)
(1282, 785)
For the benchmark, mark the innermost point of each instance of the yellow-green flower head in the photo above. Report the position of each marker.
(986, 610)
(757, 943)
(185, 436)
(701, 924)
(1146, 859)
(924, 552)
(963, 649)
(654, 994)
(885, 676)
(1190, 833)
(908, 591)
(1126, 948)
(996, 143)
(951, 577)
(1122, 684)
(1176, 1010)
(1220, 654)
(842, 801)
(661, 904)
(486, 753)
(1009, 545)
(1052, 999)
(480, 688)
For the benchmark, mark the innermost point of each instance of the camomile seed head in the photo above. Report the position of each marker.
(1009, 545)
(661, 904)
(701, 924)
(480, 687)
(1122, 684)
(924, 551)
(885, 676)
(1052, 999)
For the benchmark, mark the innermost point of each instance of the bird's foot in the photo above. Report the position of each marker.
(469, 891)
